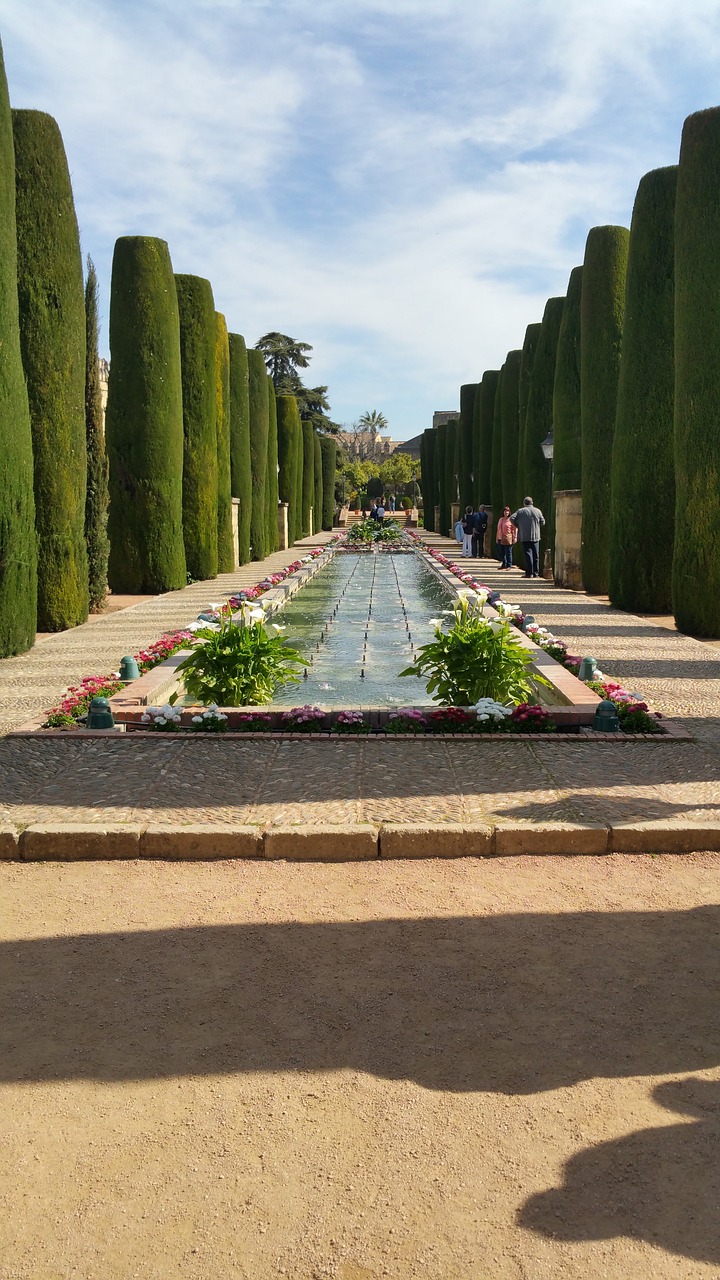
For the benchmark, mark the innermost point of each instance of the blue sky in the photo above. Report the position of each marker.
(403, 185)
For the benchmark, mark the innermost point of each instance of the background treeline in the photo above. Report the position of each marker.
(622, 375)
(142, 502)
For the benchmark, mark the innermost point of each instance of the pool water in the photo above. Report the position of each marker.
(356, 624)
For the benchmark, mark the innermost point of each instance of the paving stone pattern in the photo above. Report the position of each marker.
(321, 783)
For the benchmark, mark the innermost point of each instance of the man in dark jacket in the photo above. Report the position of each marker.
(480, 521)
(529, 520)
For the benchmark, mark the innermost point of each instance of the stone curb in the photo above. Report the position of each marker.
(355, 842)
(9, 842)
(79, 840)
(515, 838)
(199, 842)
(420, 840)
(663, 836)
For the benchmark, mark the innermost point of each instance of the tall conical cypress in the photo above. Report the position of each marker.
(483, 433)
(537, 474)
(259, 426)
(511, 429)
(497, 497)
(328, 449)
(696, 566)
(272, 471)
(567, 457)
(468, 392)
(429, 486)
(643, 461)
(299, 479)
(532, 333)
(97, 499)
(240, 469)
(51, 298)
(18, 554)
(451, 457)
(144, 422)
(288, 429)
(308, 490)
(226, 544)
(601, 323)
(318, 498)
(443, 498)
(196, 308)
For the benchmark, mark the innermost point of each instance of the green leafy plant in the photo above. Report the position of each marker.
(239, 664)
(477, 657)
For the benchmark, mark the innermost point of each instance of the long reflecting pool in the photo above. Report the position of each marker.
(356, 623)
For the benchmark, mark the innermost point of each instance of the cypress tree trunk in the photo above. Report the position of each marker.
(318, 498)
(467, 409)
(451, 452)
(288, 430)
(484, 423)
(273, 496)
(299, 478)
(51, 297)
(511, 429)
(601, 324)
(18, 553)
(196, 308)
(567, 457)
(308, 489)
(643, 461)
(328, 449)
(259, 427)
(144, 422)
(226, 544)
(240, 469)
(497, 497)
(96, 497)
(537, 472)
(532, 333)
(696, 566)
(443, 499)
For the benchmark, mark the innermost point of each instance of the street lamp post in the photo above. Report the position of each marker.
(548, 449)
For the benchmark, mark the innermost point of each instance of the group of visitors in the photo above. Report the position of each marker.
(523, 525)
(378, 508)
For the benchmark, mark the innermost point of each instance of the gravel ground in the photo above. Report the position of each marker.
(499, 1068)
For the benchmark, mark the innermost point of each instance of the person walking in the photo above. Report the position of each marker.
(468, 528)
(529, 520)
(380, 510)
(506, 538)
(481, 523)
(391, 503)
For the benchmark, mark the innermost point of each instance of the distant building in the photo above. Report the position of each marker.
(441, 416)
(367, 445)
(410, 446)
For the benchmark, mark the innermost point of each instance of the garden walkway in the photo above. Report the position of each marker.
(354, 781)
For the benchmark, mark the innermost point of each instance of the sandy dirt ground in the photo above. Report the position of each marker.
(456, 1071)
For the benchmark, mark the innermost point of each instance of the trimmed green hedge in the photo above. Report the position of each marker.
(643, 462)
(696, 566)
(329, 467)
(443, 501)
(240, 467)
(299, 479)
(51, 298)
(567, 457)
(18, 552)
(497, 497)
(601, 325)
(259, 428)
(539, 421)
(483, 436)
(308, 489)
(451, 461)
(428, 480)
(273, 496)
(144, 421)
(318, 499)
(532, 334)
(289, 433)
(226, 542)
(465, 473)
(97, 498)
(196, 308)
(510, 429)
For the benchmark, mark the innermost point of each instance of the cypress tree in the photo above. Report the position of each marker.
(240, 469)
(299, 478)
(308, 489)
(96, 497)
(443, 499)
(427, 463)
(510, 429)
(567, 460)
(51, 298)
(451, 453)
(288, 431)
(273, 497)
(537, 474)
(532, 333)
(467, 410)
(259, 427)
(643, 462)
(483, 435)
(318, 499)
(18, 554)
(696, 571)
(328, 449)
(144, 422)
(196, 308)
(497, 497)
(226, 545)
(601, 323)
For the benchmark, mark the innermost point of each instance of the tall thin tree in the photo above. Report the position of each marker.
(97, 496)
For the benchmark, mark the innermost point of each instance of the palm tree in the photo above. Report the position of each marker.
(373, 420)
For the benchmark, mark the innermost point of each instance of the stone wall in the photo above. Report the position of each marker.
(568, 539)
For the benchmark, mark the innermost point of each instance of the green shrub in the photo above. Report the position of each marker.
(240, 467)
(696, 570)
(483, 437)
(308, 489)
(643, 463)
(329, 465)
(196, 308)
(601, 325)
(226, 542)
(539, 419)
(240, 664)
(289, 433)
(465, 427)
(18, 554)
(51, 297)
(532, 333)
(567, 458)
(259, 428)
(96, 498)
(144, 421)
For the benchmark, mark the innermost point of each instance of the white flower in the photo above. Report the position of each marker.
(212, 707)
(434, 622)
(495, 625)
(168, 709)
(217, 605)
(146, 718)
(197, 719)
(161, 720)
(278, 626)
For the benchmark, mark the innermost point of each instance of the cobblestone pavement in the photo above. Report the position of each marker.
(331, 781)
